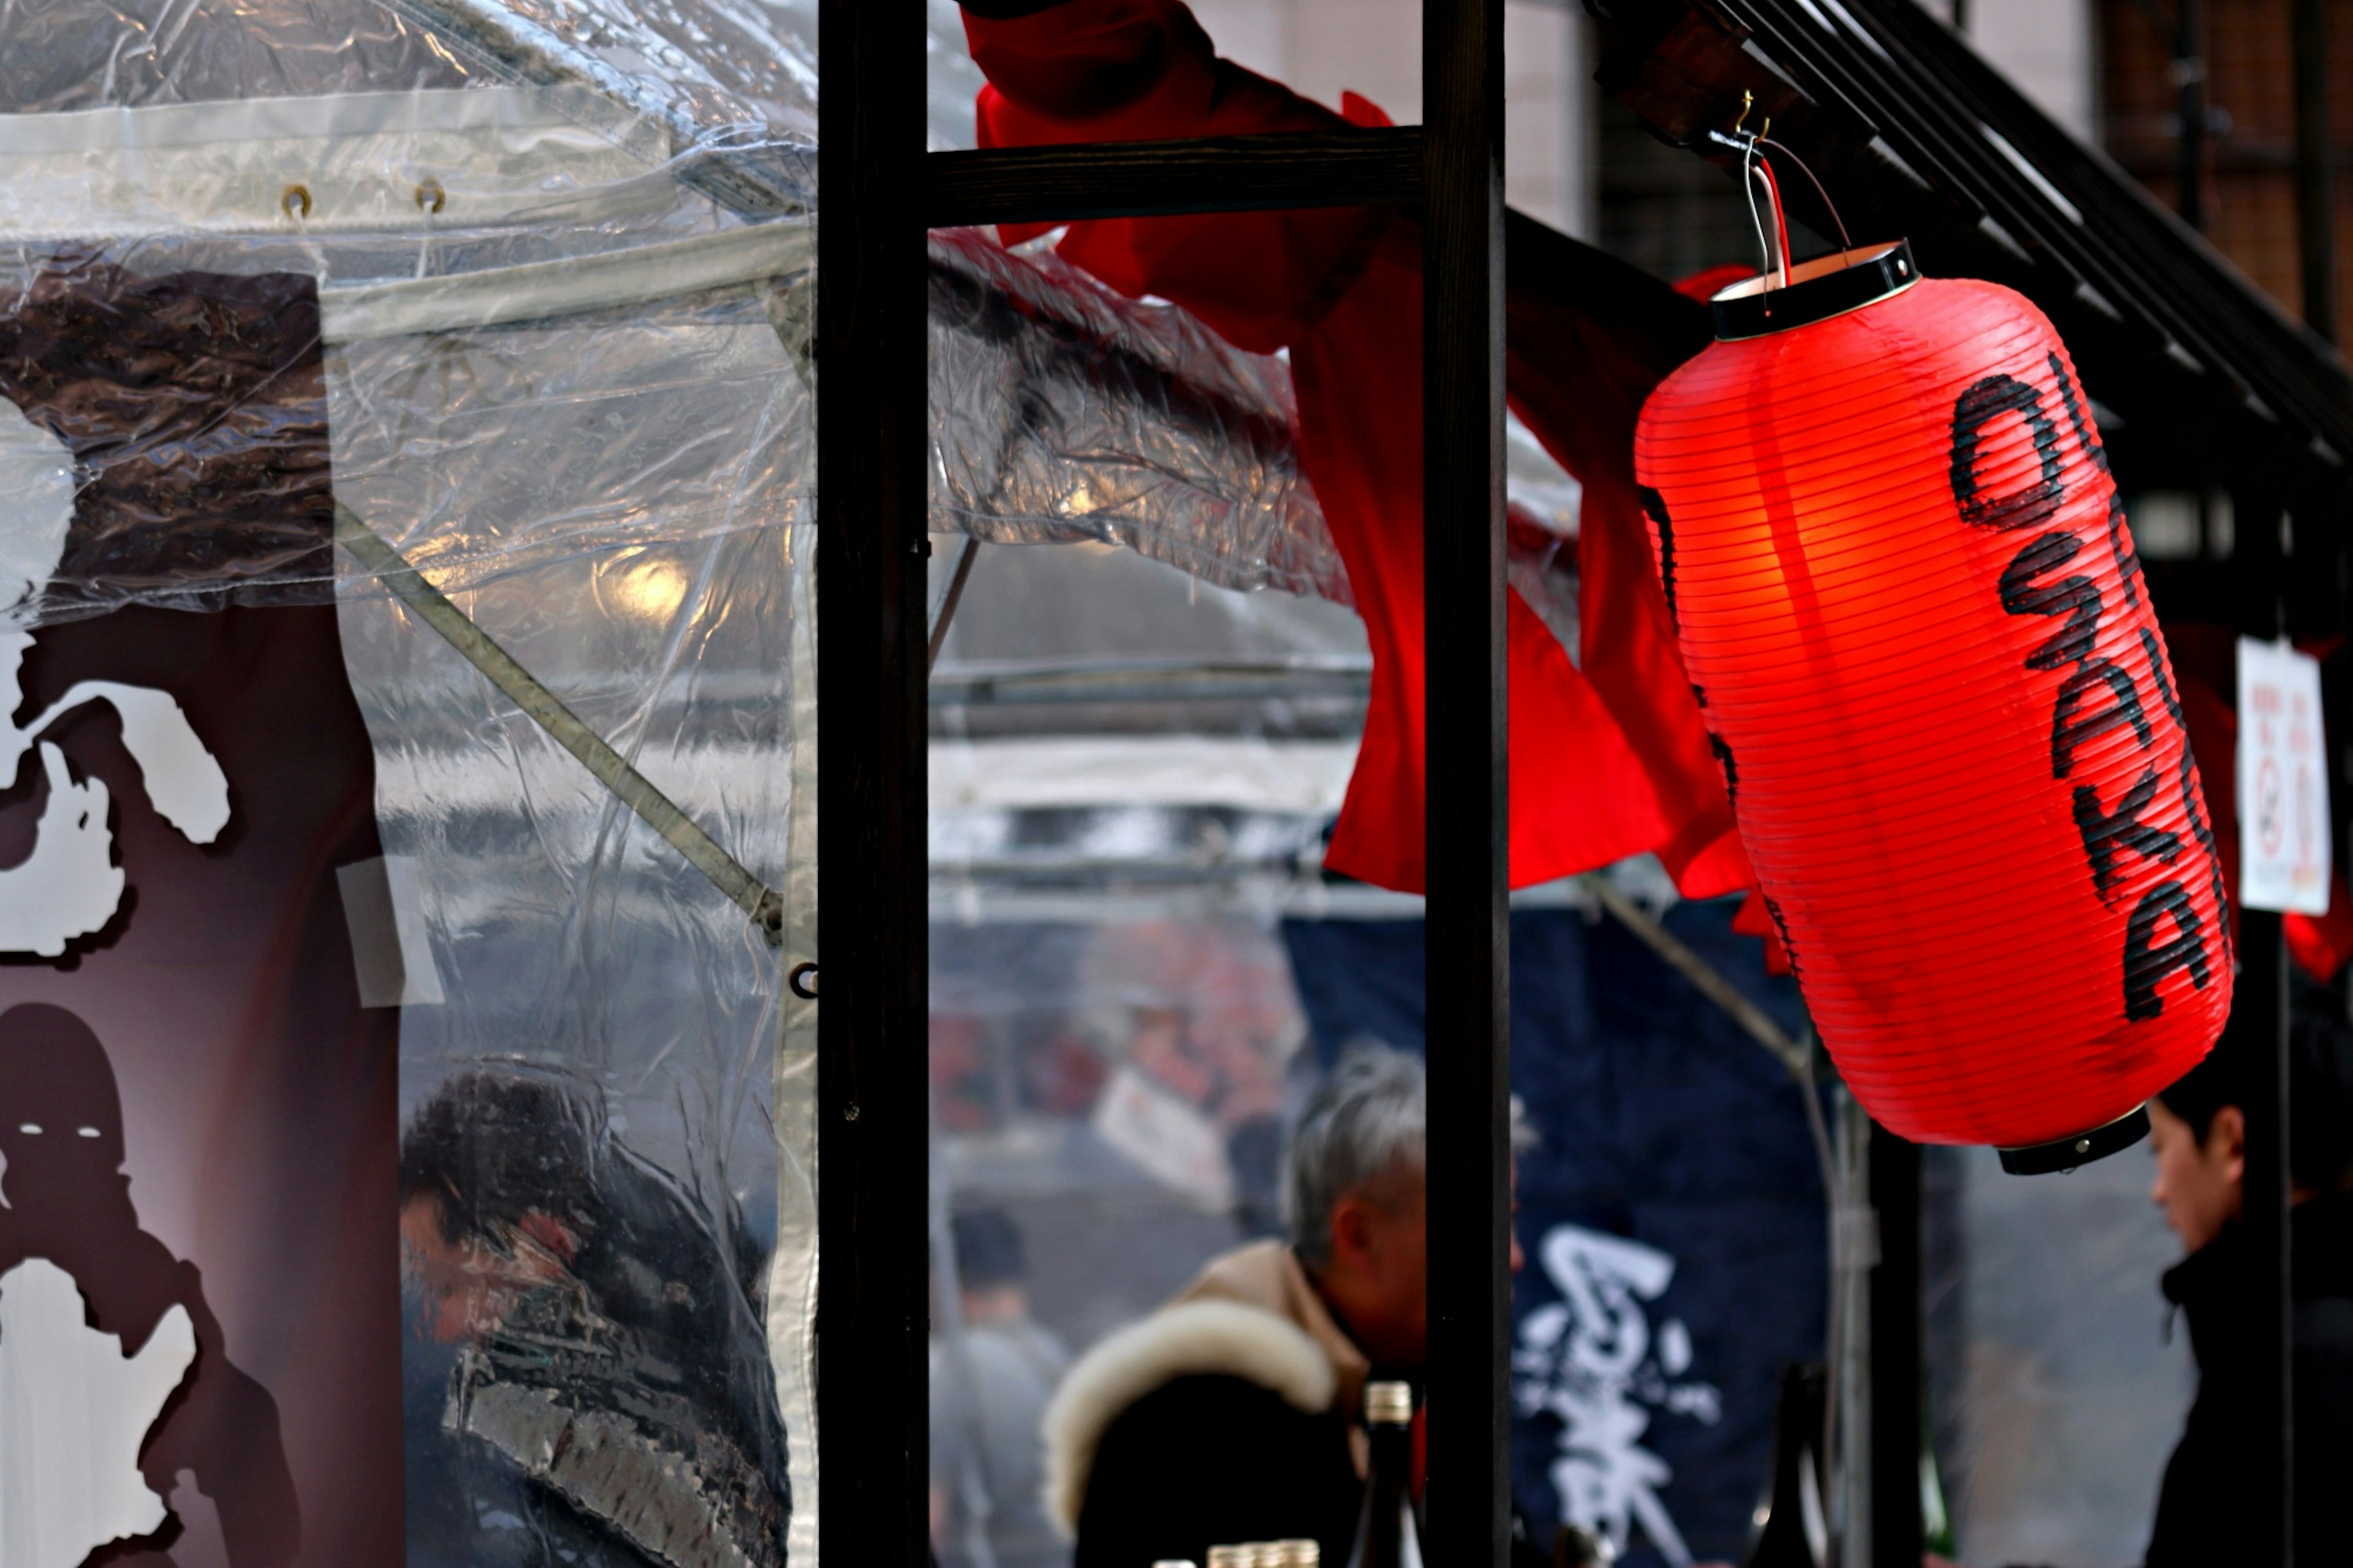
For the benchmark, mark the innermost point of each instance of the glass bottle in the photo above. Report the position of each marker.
(1383, 1525)
(1790, 1532)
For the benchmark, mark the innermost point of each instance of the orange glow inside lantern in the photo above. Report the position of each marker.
(1906, 596)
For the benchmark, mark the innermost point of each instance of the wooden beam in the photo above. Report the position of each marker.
(2316, 178)
(1149, 179)
(2257, 1034)
(873, 905)
(1468, 932)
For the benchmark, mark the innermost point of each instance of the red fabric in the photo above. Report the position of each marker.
(1752, 918)
(1579, 384)
(2206, 662)
(1707, 283)
(1605, 762)
(2320, 944)
(1892, 550)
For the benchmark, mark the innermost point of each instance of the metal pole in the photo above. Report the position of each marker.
(2315, 179)
(612, 769)
(2258, 1032)
(2190, 77)
(1469, 1502)
(871, 1372)
(1894, 1177)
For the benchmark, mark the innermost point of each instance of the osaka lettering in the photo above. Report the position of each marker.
(2097, 703)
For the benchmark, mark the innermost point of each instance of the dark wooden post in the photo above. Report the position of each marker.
(1469, 931)
(871, 792)
(1895, 1326)
(2316, 175)
(2189, 146)
(2258, 1032)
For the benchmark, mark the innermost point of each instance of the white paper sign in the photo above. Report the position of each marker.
(1165, 1135)
(2283, 786)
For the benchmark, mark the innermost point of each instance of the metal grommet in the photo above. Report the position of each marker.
(294, 201)
(850, 1111)
(803, 980)
(2082, 1145)
(431, 196)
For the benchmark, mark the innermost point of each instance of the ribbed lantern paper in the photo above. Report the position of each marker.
(1908, 600)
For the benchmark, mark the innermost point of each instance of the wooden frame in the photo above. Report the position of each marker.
(871, 791)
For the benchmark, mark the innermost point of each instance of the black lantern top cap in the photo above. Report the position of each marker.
(1816, 290)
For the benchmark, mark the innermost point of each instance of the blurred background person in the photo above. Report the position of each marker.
(2198, 1134)
(1232, 1414)
(988, 1459)
(611, 1401)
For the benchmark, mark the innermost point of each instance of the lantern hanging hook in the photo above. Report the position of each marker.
(1753, 147)
(1771, 257)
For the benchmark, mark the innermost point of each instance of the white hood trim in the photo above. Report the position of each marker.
(1191, 1339)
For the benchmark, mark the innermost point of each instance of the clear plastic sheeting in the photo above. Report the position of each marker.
(1109, 1093)
(732, 86)
(597, 1082)
(555, 407)
(481, 450)
(735, 88)
(74, 55)
(950, 82)
(1062, 411)
(2058, 1379)
(614, 495)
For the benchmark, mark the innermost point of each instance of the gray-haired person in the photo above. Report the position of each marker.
(1227, 1416)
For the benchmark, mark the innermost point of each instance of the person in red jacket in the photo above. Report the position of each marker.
(1609, 754)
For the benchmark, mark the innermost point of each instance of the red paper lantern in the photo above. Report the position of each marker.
(1908, 601)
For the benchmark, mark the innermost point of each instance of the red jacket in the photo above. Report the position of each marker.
(1608, 760)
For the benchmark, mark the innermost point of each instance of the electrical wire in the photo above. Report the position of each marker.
(1845, 244)
(1749, 188)
(1780, 215)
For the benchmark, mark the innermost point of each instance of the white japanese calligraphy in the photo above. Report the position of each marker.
(1592, 1360)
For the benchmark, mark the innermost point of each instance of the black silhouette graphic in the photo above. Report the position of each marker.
(69, 1202)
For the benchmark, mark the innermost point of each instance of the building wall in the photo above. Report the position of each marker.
(2249, 168)
(2046, 50)
(1575, 163)
(1373, 48)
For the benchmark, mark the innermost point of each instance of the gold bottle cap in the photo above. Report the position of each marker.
(1299, 1554)
(1261, 1554)
(1226, 1557)
(1390, 1403)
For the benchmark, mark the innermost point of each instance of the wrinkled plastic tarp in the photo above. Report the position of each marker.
(565, 380)
(1061, 410)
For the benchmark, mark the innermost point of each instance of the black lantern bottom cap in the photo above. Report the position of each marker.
(2066, 1153)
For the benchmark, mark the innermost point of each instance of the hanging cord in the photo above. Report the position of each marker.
(1756, 166)
(1748, 189)
(1780, 215)
(1846, 245)
(1745, 142)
